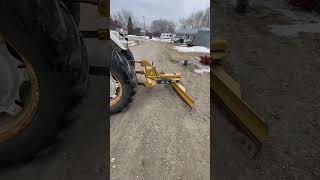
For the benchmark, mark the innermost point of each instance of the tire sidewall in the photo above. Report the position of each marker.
(125, 74)
(39, 47)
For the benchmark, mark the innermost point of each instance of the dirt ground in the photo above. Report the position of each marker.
(280, 79)
(158, 136)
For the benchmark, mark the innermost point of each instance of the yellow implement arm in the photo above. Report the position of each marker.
(154, 77)
(229, 92)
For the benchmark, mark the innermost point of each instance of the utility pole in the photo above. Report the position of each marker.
(144, 26)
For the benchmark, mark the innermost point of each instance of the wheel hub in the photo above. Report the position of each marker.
(115, 90)
(12, 76)
(19, 91)
(113, 87)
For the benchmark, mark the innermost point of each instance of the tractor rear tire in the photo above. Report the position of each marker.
(52, 45)
(74, 9)
(123, 72)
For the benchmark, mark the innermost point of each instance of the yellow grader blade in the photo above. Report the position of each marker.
(229, 92)
(181, 91)
(154, 77)
(225, 88)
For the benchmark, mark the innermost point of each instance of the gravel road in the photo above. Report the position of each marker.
(279, 77)
(158, 136)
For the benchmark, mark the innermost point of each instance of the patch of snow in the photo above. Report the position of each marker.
(155, 39)
(130, 43)
(192, 49)
(113, 159)
(162, 40)
(133, 44)
(125, 42)
(166, 40)
(135, 36)
(202, 70)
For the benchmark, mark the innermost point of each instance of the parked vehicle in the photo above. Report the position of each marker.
(179, 39)
(166, 36)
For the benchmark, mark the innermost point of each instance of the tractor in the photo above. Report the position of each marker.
(44, 72)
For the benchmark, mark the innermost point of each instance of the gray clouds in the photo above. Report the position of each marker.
(172, 10)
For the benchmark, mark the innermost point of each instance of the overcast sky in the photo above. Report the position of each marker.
(154, 9)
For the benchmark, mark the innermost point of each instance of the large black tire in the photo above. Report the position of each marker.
(124, 72)
(74, 8)
(47, 36)
(128, 54)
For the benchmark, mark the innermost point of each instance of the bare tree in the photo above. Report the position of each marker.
(206, 18)
(162, 26)
(136, 22)
(196, 20)
(183, 23)
(197, 17)
(122, 17)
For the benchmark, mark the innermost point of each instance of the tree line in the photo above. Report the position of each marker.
(126, 19)
(196, 20)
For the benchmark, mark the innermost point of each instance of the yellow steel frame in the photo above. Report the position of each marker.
(229, 92)
(153, 77)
